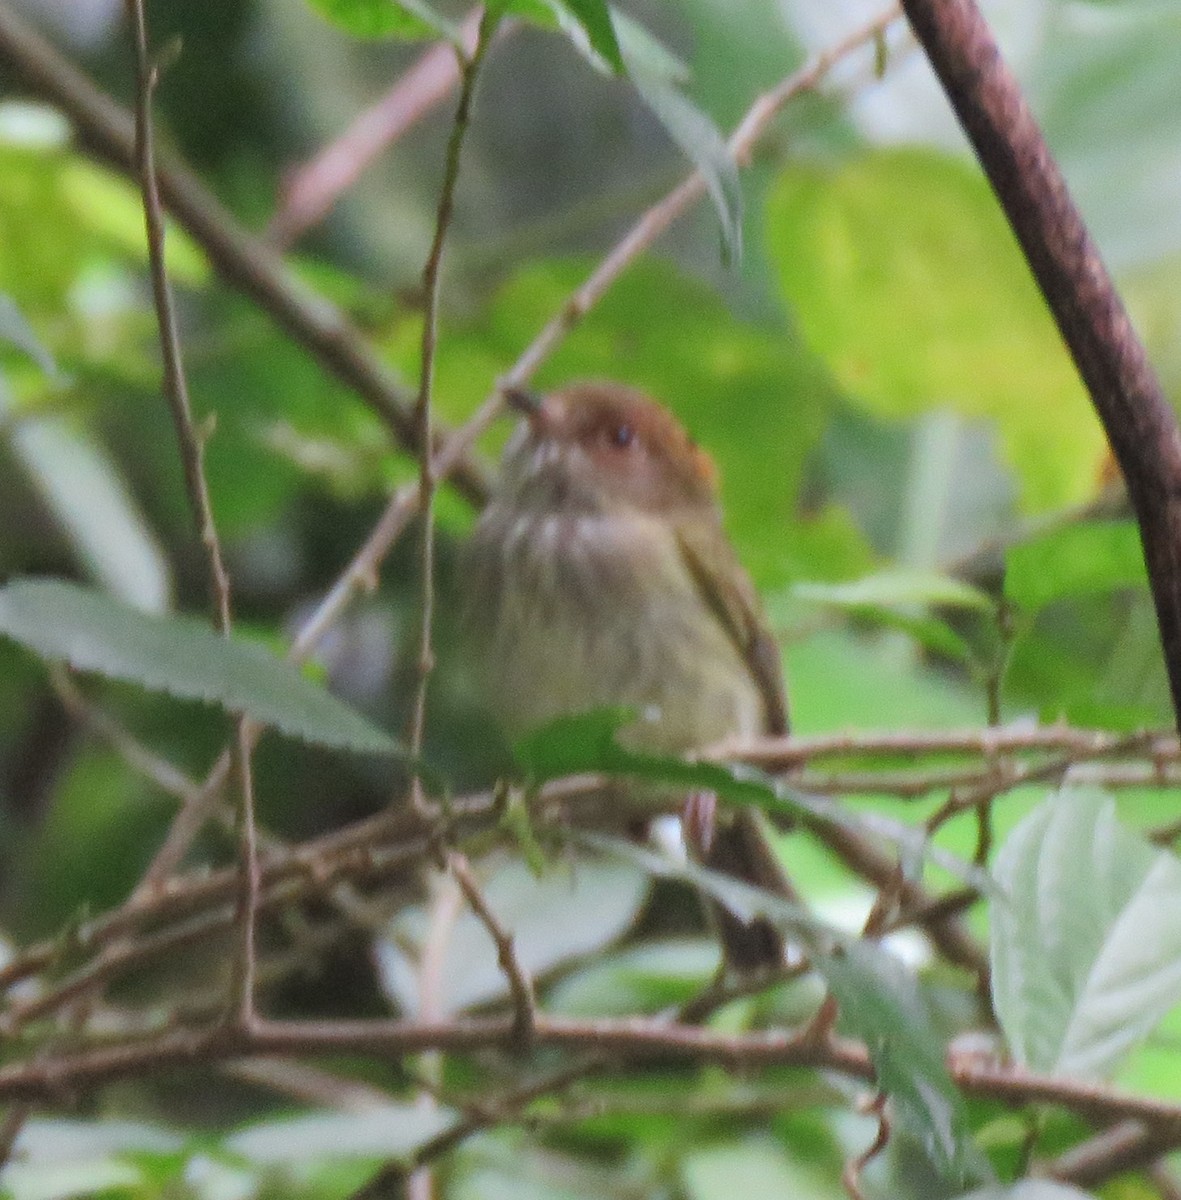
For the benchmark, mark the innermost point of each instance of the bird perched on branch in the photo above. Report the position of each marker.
(600, 575)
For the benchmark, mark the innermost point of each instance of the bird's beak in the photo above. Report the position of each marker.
(523, 401)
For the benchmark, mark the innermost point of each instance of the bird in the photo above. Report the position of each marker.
(599, 574)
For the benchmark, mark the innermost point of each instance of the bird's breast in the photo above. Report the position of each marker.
(578, 612)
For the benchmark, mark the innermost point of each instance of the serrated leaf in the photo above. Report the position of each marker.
(62, 622)
(880, 1002)
(1086, 948)
(1077, 560)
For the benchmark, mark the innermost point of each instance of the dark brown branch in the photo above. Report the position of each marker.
(1070, 272)
(107, 131)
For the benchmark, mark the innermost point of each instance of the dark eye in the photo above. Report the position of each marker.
(622, 436)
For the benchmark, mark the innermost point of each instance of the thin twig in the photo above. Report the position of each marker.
(423, 409)
(192, 451)
(310, 192)
(520, 985)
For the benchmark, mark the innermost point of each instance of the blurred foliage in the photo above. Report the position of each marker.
(907, 462)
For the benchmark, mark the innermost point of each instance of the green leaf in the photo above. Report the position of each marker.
(1076, 560)
(904, 276)
(408, 19)
(564, 915)
(391, 1131)
(880, 1002)
(594, 18)
(181, 656)
(1086, 948)
(898, 587)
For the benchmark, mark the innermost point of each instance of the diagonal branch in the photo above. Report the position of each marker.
(1065, 261)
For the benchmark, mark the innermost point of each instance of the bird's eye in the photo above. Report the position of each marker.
(622, 436)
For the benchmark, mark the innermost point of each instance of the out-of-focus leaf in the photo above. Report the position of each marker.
(16, 331)
(110, 208)
(644, 978)
(565, 914)
(880, 1002)
(182, 656)
(648, 67)
(98, 516)
(62, 1140)
(906, 279)
(1099, 556)
(591, 19)
(755, 1167)
(657, 75)
(1030, 1189)
(386, 18)
(1086, 951)
(898, 587)
(387, 1132)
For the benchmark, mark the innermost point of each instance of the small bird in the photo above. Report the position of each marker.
(599, 574)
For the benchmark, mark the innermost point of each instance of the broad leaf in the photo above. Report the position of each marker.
(904, 276)
(62, 622)
(595, 19)
(1099, 556)
(1086, 947)
(387, 1132)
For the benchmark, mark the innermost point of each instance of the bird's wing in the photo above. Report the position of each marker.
(729, 593)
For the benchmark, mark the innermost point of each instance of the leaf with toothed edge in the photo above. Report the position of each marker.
(64, 622)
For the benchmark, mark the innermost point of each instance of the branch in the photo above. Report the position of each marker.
(1078, 289)
(423, 408)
